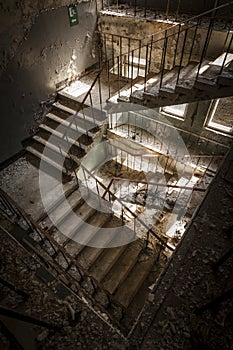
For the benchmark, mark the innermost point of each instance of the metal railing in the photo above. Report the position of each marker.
(58, 259)
(113, 197)
(165, 9)
(157, 53)
(153, 54)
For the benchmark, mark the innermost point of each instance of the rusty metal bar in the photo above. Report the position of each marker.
(182, 55)
(157, 184)
(163, 59)
(32, 320)
(224, 61)
(208, 35)
(13, 288)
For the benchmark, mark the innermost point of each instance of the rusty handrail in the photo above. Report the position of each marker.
(157, 184)
(107, 190)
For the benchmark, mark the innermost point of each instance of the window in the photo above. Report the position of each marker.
(177, 111)
(220, 115)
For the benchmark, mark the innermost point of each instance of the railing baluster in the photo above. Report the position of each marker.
(193, 41)
(209, 31)
(128, 56)
(163, 59)
(177, 44)
(132, 75)
(151, 48)
(225, 57)
(118, 76)
(121, 56)
(113, 63)
(139, 53)
(182, 55)
(145, 77)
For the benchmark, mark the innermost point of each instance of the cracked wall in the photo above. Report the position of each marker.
(50, 52)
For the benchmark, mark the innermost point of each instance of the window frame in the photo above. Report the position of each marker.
(213, 126)
(174, 115)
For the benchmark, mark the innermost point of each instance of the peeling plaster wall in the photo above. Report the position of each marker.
(16, 20)
(51, 52)
(140, 29)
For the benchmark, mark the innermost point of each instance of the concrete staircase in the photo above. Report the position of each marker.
(193, 82)
(122, 273)
(115, 278)
(65, 128)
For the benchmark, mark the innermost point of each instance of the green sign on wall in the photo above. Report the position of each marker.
(73, 15)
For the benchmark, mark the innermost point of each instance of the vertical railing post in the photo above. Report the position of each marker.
(113, 63)
(208, 35)
(182, 55)
(225, 57)
(131, 81)
(128, 56)
(118, 75)
(139, 54)
(109, 85)
(145, 77)
(151, 48)
(177, 44)
(193, 41)
(135, 8)
(163, 59)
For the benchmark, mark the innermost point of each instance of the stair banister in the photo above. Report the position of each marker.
(154, 41)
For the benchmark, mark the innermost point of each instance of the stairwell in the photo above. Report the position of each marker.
(116, 280)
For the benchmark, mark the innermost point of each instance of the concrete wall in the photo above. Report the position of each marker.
(51, 51)
(137, 29)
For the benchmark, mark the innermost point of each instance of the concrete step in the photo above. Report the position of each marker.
(154, 89)
(75, 225)
(61, 212)
(53, 152)
(48, 162)
(91, 112)
(133, 282)
(109, 256)
(90, 253)
(125, 92)
(210, 74)
(70, 189)
(62, 139)
(170, 87)
(75, 126)
(82, 119)
(122, 267)
(82, 138)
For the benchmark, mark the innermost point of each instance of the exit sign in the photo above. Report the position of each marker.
(73, 15)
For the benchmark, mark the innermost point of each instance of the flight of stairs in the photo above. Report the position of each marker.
(123, 273)
(66, 126)
(211, 83)
(116, 278)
